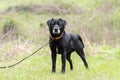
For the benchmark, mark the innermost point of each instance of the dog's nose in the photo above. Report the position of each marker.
(56, 30)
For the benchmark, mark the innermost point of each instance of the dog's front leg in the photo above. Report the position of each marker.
(63, 57)
(53, 55)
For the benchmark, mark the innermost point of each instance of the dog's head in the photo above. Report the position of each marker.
(56, 26)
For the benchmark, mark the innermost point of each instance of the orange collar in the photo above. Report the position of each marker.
(57, 38)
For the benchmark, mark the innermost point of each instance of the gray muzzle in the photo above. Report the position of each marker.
(56, 29)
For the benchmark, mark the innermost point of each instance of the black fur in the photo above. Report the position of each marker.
(65, 45)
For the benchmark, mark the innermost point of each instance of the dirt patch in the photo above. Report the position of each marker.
(38, 9)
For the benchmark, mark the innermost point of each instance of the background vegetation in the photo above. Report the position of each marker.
(23, 29)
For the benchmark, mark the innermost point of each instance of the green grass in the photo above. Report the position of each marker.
(74, 3)
(95, 14)
(38, 67)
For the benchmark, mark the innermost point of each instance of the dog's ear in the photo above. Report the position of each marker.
(63, 22)
(49, 22)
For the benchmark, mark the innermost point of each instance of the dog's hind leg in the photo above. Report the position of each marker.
(69, 60)
(80, 52)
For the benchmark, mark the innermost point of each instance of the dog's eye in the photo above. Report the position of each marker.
(58, 23)
(53, 23)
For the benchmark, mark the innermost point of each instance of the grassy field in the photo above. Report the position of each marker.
(38, 67)
(23, 29)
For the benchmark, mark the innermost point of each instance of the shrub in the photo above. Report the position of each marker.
(9, 29)
(115, 19)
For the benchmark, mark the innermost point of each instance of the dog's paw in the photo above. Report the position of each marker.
(53, 71)
(63, 72)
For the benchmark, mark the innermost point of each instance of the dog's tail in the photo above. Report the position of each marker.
(80, 40)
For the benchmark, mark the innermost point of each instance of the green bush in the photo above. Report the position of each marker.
(115, 19)
(9, 24)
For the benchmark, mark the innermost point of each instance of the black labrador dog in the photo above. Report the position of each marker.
(64, 43)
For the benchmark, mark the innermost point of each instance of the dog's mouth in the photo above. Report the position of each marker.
(56, 31)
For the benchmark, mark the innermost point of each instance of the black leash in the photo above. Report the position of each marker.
(23, 58)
